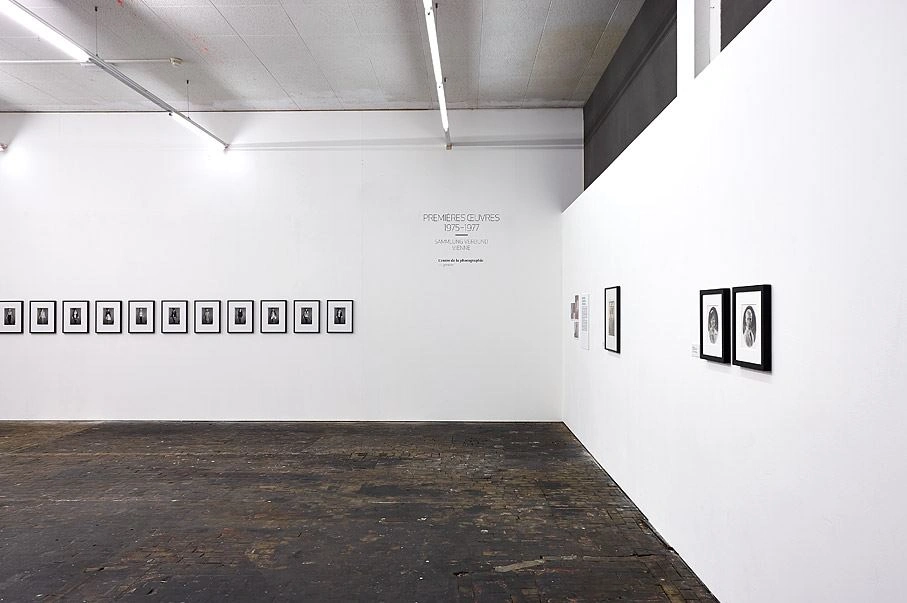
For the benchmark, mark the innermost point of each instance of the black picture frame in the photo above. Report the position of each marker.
(83, 306)
(18, 316)
(131, 305)
(332, 306)
(250, 319)
(725, 326)
(196, 324)
(268, 328)
(615, 337)
(762, 321)
(52, 329)
(99, 327)
(316, 323)
(166, 327)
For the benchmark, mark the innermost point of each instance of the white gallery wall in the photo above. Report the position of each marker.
(782, 163)
(130, 206)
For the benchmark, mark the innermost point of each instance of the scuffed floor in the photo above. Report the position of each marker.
(321, 512)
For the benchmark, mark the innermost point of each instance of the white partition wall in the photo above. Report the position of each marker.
(783, 163)
(130, 207)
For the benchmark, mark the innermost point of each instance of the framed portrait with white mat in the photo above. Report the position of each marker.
(273, 316)
(11, 320)
(307, 316)
(340, 315)
(240, 316)
(140, 316)
(714, 325)
(75, 317)
(207, 316)
(42, 317)
(752, 326)
(612, 319)
(108, 317)
(174, 316)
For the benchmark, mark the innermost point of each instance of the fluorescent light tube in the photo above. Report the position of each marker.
(187, 123)
(436, 59)
(40, 28)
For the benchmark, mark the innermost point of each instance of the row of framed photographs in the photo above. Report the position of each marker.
(751, 325)
(140, 316)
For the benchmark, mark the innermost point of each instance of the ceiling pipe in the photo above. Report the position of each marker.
(176, 62)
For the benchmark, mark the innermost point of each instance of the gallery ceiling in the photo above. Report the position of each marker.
(260, 55)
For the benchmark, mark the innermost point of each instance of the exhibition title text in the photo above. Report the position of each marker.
(461, 217)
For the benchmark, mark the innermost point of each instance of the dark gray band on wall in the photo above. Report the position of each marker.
(638, 84)
(737, 14)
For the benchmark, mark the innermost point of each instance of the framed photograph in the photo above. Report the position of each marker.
(340, 316)
(240, 316)
(207, 316)
(42, 317)
(11, 316)
(273, 316)
(612, 319)
(75, 317)
(107, 317)
(307, 316)
(753, 327)
(141, 316)
(174, 316)
(714, 320)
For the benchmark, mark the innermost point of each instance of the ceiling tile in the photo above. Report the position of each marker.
(258, 20)
(322, 19)
(387, 16)
(195, 21)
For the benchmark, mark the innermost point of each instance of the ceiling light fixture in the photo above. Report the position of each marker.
(185, 121)
(2, 147)
(48, 32)
(42, 29)
(436, 65)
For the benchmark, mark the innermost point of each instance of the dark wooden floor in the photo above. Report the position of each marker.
(321, 512)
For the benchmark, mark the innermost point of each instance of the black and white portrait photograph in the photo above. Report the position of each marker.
(752, 324)
(340, 316)
(273, 316)
(207, 316)
(43, 317)
(174, 316)
(714, 336)
(141, 316)
(75, 316)
(307, 315)
(240, 316)
(612, 319)
(107, 317)
(11, 311)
